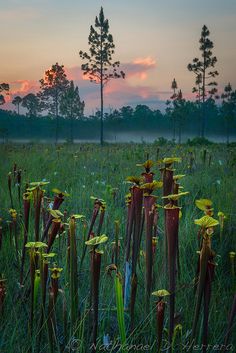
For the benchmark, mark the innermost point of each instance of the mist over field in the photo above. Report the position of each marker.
(122, 137)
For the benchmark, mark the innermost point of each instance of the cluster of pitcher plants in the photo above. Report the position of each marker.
(49, 244)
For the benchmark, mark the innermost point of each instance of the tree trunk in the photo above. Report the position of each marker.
(101, 89)
(71, 130)
(101, 119)
(174, 128)
(180, 133)
(203, 96)
(227, 131)
(203, 120)
(56, 111)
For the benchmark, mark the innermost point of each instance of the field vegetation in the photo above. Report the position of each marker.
(93, 258)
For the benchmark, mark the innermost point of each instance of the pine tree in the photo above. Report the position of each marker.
(204, 71)
(171, 104)
(99, 67)
(71, 106)
(32, 103)
(4, 88)
(17, 101)
(228, 108)
(53, 85)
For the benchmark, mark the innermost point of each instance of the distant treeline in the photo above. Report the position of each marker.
(138, 120)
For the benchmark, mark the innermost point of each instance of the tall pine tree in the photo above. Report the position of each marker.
(99, 67)
(205, 86)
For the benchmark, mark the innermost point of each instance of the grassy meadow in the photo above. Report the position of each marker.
(62, 323)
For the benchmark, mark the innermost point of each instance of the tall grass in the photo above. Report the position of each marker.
(84, 171)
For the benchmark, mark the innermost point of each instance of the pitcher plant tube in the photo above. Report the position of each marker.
(207, 224)
(150, 209)
(160, 314)
(172, 234)
(96, 257)
(98, 205)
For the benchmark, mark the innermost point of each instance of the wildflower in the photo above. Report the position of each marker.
(150, 187)
(60, 193)
(13, 213)
(97, 240)
(206, 222)
(36, 184)
(56, 214)
(148, 175)
(49, 255)
(161, 293)
(135, 180)
(36, 245)
(154, 244)
(205, 205)
(178, 176)
(56, 272)
(169, 161)
(174, 197)
(146, 165)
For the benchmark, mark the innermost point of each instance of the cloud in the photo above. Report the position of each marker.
(117, 92)
(139, 68)
(120, 93)
(24, 86)
(148, 61)
(20, 88)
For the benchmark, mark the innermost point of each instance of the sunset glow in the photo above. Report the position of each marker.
(154, 44)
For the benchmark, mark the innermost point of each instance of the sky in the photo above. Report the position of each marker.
(155, 41)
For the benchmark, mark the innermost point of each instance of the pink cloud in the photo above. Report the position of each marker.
(117, 92)
(20, 88)
(23, 86)
(148, 61)
(139, 68)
